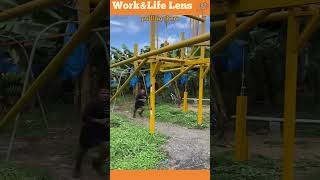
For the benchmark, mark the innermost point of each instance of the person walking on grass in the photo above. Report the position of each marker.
(139, 104)
(94, 133)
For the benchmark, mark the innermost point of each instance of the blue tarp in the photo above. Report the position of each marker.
(166, 78)
(134, 80)
(183, 79)
(5, 66)
(77, 60)
(230, 58)
(148, 80)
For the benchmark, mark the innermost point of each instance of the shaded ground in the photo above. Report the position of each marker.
(186, 148)
(49, 152)
(307, 166)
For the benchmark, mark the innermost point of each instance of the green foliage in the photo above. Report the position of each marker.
(10, 88)
(132, 147)
(259, 168)
(167, 113)
(9, 171)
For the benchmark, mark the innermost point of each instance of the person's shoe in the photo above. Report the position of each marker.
(98, 168)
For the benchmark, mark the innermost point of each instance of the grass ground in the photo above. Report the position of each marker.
(259, 168)
(9, 171)
(171, 114)
(132, 147)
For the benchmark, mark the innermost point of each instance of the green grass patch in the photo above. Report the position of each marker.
(132, 147)
(171, 114)
(258, 168)
(9, 171)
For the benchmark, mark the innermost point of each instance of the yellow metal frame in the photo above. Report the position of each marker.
(158, 62)
(295, 41)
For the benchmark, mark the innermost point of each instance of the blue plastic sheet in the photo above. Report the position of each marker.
(76, 62)
(183, 79)
(134, 80)
(5, 66)
(166, 78)
(148, 80)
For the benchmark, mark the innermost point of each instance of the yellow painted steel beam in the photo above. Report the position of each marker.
(152, 100)
(196, 18)
(129, 79)
(200, 61)
(182, 49)
(177, 69)
(26, 8)
(308, 31)
(251, 22)
(156, 68)
(194, 40)
(136, 64)
(185, 101)
(171, 59)
(173, 79)
(247, 5)
(200, 95)
(206, 71)
(58, 60)
(290, 98)
(241, 139)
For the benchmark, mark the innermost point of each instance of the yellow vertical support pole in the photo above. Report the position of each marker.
(153, 81)
(185, 94)
(135, 91)
(201, 70)
(241, 143)
(182, 49)
(200, 95)
(290, 97)
(185, 101)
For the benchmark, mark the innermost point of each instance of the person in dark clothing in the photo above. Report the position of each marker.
(139, 104)
(94, 133)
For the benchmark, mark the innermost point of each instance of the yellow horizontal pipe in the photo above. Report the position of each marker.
(58, 60)
(175, 78)
(194, 40)
(195, 17)
(176, 69)
(171, 59)
(26, 8)
(252, 21)
(308, 31)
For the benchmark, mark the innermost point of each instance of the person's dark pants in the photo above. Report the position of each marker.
(138, 106)
(92, 136)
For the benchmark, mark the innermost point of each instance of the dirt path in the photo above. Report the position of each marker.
(186, 148)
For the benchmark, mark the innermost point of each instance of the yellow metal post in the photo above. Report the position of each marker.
(152, 99)
(153, 81)
(135, 67)
(185, 101)
(200, 95)
(241, 140)
(182, 49)
(290, 98)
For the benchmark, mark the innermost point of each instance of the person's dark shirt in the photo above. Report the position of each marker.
(95, 110)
